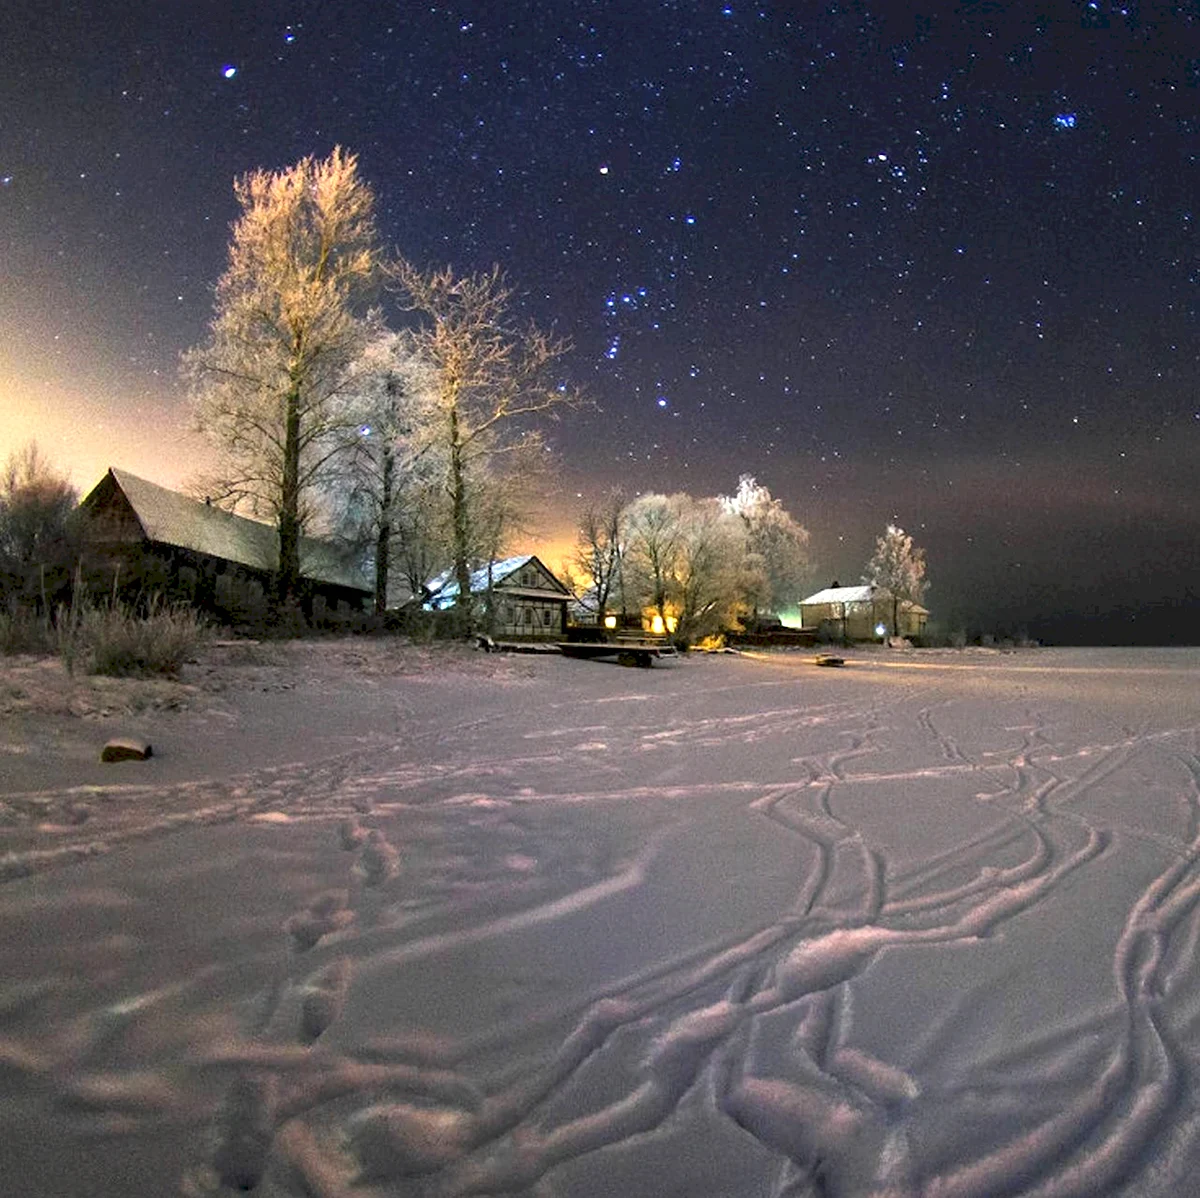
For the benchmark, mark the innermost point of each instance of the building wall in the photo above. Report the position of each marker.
(528, 618)
(116, 552)
(857, 621)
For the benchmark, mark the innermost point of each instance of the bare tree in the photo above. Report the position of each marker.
(421, 542)
(492, 379)
(898, 569)
(36, 547)
(598, 549)
(266, 381)
(652, 532)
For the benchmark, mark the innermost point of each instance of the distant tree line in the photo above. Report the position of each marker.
(696, 564)
(701, 565)
(37, 543)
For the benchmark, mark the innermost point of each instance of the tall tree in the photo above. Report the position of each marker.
(777, 544)
(36, 548)
(492, 378)
(266, 381)
(898, 569)
(597, 551)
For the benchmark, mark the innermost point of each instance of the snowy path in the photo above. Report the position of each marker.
(737, 927)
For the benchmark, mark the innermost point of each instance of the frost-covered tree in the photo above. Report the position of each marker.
(710, 574)
(898, 570)
(36, 546)
(686, 557)
(384, 488)
(492, 378)
(289, 321)
(777, 544)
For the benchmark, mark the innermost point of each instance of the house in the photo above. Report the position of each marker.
(134, 531)
(853, 613)
(525, 600)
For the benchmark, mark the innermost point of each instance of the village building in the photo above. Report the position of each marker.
(136, 533)
(524, 599)
(854, 613)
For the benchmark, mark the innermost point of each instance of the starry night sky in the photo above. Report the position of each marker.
(927, 263)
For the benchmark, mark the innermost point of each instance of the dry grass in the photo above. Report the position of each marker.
(124, 643)
(114, 639)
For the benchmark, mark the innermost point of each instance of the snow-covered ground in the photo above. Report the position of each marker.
(380, 921)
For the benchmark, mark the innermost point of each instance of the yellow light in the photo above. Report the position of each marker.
(610, 621)
(656, 625)
(672, 623)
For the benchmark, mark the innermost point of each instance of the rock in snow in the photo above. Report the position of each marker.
(126, 748)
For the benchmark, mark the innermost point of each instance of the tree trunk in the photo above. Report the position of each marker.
(383, 543)
(289, 496)
(459, 515)
(895, 615)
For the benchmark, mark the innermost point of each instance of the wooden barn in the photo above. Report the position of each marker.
(147, 536)
(525, 600)
(852, 613)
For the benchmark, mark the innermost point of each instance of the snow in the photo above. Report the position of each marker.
(381, 919)
(855, 594)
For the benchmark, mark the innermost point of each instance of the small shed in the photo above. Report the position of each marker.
(852, 613)
(523, 597)
(139, 532)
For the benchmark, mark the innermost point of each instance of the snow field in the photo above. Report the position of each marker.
(734, 926)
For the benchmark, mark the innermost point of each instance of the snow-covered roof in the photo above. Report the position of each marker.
(444, 588)
(859, 594)
(169, 518)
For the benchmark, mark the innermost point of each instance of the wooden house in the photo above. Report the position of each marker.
(853, 613)
(523, 598)
(144, 535)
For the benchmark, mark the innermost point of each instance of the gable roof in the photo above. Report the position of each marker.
(169, 518)
(859, 594)
(443, 589)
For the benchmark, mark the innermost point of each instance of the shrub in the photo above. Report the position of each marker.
(125, 643)
(119, 640)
